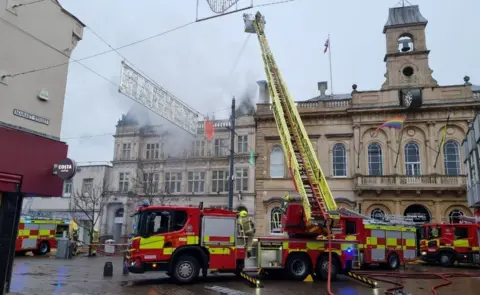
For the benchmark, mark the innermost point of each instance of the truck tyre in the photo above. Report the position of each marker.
(185, 269)
(446, 259)
(322, 268)
(298, 267)
(393, 261)
(43, 249)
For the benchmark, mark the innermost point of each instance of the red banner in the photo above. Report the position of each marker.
(209, 129)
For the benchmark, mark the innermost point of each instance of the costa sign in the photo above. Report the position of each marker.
(65, 169)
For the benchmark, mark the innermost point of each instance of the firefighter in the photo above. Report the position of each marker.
(247, 229)
(74, 242)
(95, 241)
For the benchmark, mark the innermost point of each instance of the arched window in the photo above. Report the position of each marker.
(276, 220)
(454, 215)
(375, 160)
(339, 160)
(378, 214)
(451, 158)
(277, 163)
(412, 159)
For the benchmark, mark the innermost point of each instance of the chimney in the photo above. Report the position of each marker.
(263, 94)
(322, 86)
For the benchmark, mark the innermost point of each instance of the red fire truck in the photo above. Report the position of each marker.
(39, 235)
(390, 242)
(447, 243)
(181, 241)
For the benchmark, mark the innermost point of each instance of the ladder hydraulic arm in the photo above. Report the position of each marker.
(310, 182)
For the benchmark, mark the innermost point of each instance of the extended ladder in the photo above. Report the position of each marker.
(309, 180)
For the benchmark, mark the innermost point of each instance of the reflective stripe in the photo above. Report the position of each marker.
(192, 240)
(219, 251)
(168, 251)
(351, 238)
(410, 242)
(461, 243)
(154, 242)
(44, 232)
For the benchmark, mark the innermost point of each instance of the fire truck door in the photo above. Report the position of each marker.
(376, 244)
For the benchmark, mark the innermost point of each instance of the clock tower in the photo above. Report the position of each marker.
(407, 55)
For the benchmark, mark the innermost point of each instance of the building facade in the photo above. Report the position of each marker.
(410, 171)
(471, 161)
(157, 164)
(93, 179)
(35, 37)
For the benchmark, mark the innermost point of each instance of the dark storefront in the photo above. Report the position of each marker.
(26, 167)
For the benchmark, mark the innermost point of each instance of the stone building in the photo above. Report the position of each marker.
(392, 171)
(158, 164)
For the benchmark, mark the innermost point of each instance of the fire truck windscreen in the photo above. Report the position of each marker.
(135, 221)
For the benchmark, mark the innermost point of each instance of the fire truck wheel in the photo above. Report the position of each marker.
(298, 267)
(185, 269)
(446, 259)
(322, 268)
(393, 261)
(43, 249)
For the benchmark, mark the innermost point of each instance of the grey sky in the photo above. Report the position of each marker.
(194, 62)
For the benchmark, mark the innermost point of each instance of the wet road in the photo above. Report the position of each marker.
(41, 275)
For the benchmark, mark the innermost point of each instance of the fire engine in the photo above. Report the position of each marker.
(320, 239)
(390, 241)
(447, 243)
(39, 234)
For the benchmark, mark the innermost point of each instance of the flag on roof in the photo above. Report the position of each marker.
(396, 123)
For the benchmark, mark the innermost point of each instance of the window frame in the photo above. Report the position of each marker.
(220, 181)
(408, 163)
(123, 182)
(242, 145)
(344, 147)
(369, 159)
(271, 222)
(458, 168)
(176, 181)
(281, 163)
(192, 182)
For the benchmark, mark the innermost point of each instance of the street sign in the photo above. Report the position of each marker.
(65, 169)
(157, 99)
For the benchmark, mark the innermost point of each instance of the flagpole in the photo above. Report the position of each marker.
(330, 60)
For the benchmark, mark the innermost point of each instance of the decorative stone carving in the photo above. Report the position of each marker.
(411, 132)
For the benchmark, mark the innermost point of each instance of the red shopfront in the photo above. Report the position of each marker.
(26, 168)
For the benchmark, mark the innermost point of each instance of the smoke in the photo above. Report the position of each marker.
(246, 104)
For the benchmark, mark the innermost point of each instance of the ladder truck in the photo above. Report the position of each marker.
(315, 213)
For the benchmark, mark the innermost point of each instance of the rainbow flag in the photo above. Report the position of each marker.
(395, 122)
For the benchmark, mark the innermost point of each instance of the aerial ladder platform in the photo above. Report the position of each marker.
(309, 180)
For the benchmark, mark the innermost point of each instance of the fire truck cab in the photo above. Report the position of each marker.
(181, 241)
(449, 243)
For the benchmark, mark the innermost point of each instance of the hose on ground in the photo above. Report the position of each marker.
(445, 277)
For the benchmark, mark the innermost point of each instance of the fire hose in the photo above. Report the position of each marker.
(445, 277)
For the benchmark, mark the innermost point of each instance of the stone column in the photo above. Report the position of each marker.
(397, 208)
(430, 143)
(357, 152)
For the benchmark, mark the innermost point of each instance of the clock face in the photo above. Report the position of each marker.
(407, 99)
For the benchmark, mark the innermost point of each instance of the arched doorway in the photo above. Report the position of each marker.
(418, 213)
(118, 223)
(454, 215)
(378, 214)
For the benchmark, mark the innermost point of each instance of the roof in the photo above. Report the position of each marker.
(340, 96)
(404, 16)
(475, 88)
(69, 14)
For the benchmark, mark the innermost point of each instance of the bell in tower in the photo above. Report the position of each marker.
(405, 44)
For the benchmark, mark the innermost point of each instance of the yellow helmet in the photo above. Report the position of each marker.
(287, 197)
(243, 213)
(95, 230)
